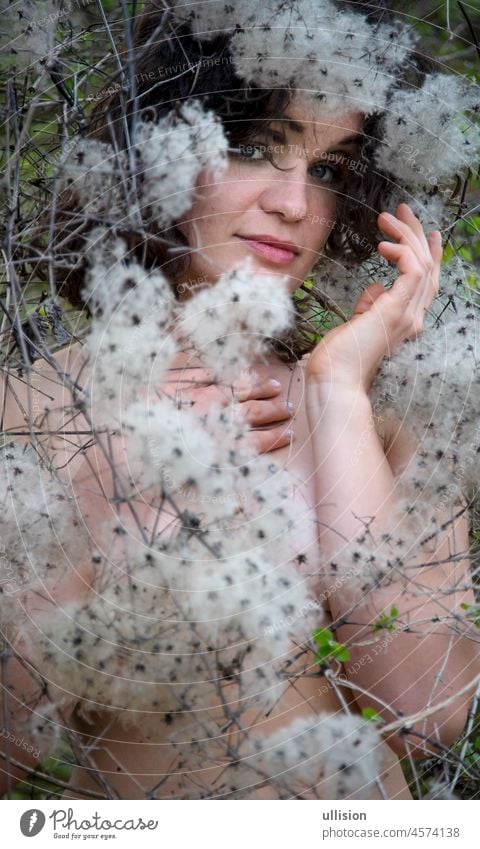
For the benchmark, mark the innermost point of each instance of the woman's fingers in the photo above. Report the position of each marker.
(402, 233)
(424, 281)
(266, 411)
(402, 255)
(202, 393)
(404, 222)
(417, 257)
(349, 355)
(272, 438)
(408, 231)
(249, 386)
(407, 216)
(263, 405)
(436, 246)
(260, 402)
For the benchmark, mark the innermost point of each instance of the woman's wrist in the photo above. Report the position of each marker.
(323, 392)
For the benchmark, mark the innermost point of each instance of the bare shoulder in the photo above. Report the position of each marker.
(38, 405)
(46, 384)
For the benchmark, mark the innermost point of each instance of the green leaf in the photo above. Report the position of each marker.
(341, 652)
(371, 715)
(323, 636)
(473, 612)
(329, 649)
(386, 621)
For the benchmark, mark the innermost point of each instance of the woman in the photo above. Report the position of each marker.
(294, 201)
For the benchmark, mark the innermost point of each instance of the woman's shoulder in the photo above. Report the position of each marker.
(43, 383)
(38, 404)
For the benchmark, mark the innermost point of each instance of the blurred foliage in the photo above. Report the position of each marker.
(36, 787)
(57, 768)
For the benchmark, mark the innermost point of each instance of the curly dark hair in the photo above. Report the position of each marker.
(171, 66)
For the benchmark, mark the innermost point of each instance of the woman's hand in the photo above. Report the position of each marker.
(349, 355)
(263, 406)
(260, 401)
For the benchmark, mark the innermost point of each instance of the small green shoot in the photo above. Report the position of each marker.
(328, 648)
(473, 612)
(371, 715)
(386, 621)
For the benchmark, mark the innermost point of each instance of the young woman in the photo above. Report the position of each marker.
(281, 211)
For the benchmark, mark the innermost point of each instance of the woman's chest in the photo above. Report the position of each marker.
(137, 768)
(297, 459)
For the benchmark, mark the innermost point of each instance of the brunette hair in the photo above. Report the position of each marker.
(171, 66)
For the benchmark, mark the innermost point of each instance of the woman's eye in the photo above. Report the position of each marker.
(260, 152)
(328, 173)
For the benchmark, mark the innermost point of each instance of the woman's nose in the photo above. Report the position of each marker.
(287, 193)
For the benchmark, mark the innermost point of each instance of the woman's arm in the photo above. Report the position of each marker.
(357, 488)
(438, 655)
(28, 696)
(40, 402)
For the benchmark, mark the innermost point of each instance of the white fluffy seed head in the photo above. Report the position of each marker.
(39, 529)
(427, 134)
(172, 153)
(130, 342)
(228, 324)
(167, 447)
(336, 757)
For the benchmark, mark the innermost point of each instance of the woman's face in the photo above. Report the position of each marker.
(256, 200)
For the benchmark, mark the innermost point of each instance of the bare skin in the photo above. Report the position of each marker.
(143, 761)
(318, 412)
(146, 760)
(134, 763)
(330, 387)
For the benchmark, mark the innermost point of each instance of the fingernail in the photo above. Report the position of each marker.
(289, 433)
(289, 405)
(275, 383)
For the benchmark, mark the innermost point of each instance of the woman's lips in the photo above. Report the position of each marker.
(278, 255)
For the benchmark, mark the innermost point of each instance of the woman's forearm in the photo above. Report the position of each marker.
(354, 483)
(430, 656)
(357, 491)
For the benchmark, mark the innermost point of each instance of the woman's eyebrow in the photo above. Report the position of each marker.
(294, 125)
(353, 138)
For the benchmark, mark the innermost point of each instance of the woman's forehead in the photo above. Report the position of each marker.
(310, 114)
(305, 121)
